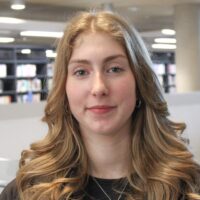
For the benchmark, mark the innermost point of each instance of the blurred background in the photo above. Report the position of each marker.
(29, 33)
(148, 16)
(30, 29)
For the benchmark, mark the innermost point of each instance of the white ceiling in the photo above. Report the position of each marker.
(118, 3)
(148, 16)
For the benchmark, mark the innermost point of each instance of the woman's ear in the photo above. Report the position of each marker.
(138, 103)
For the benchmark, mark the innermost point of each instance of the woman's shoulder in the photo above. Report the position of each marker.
(10, 192)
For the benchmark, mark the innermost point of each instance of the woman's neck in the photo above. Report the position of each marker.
(109, 156)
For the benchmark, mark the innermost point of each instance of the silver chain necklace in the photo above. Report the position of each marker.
(106, 193)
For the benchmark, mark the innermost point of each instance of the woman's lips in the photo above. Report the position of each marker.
(101, 109)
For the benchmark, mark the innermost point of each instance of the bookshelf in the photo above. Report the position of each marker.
(165, 69)
(24, 77)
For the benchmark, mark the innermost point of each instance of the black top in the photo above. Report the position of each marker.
(91, 192)
(112, 187)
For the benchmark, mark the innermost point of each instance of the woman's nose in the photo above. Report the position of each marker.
(99, 85)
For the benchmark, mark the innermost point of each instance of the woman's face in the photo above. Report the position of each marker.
(100, 86)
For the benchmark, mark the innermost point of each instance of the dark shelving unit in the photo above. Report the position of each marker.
(12, 58)
(166, 59)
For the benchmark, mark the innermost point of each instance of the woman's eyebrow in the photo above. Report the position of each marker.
(82, 61)
(113, 57)
(105, 60)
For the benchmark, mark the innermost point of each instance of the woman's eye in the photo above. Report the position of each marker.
(115, 70)
(80, 72)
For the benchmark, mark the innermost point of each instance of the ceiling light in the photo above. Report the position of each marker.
(25, 51)
(168, 32)
(17, 4)
(165, 40)
(42, 34)
(6, 39)
(10, 20)
(164, 46)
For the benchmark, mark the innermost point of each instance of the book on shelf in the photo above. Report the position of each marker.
(3, 70)
(26, 70)
(30, 97)
(29, 85)
(172, 68)
(171, 80)
(5, 100)
(36, 84)
(50, 81)
(159, 69)
(50, 69)
(1, 86)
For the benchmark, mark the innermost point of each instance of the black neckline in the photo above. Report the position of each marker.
(107, 179)
(93, 191)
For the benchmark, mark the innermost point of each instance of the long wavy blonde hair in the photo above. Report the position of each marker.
(56, 167)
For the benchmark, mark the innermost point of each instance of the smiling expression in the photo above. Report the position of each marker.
(100, 85)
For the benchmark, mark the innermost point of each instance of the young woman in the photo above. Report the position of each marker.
(109, 136)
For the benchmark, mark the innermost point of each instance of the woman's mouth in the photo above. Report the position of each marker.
(101, 109)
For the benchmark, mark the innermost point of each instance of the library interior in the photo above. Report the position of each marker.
(29, 33)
